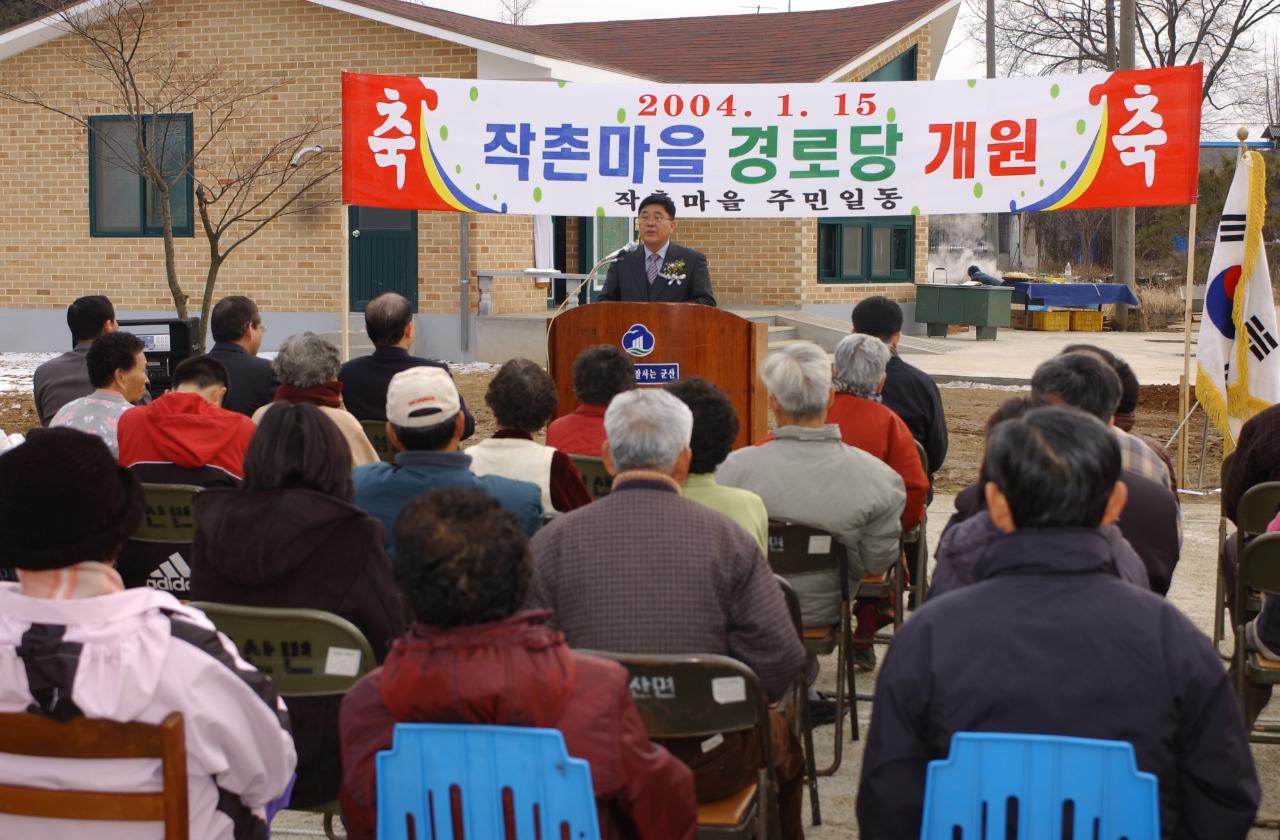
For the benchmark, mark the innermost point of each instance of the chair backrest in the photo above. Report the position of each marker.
(376, 432)
(1228, 461)
(167, 517)
(1260, 564)
(82, 739)
(793, 603)
(1258, 507)
(695, 695)
(1038, 786)
(924, 457)
(795, 549)
(461, 780)
(594, 475)
(307, 653)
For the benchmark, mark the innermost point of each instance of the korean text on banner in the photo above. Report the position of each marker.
(804, 150)
(1238, 352)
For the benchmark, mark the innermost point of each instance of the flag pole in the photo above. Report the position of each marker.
(1184, 393)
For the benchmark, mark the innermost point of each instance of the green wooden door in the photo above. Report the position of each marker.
(383, 254)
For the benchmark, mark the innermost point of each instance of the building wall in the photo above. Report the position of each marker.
(296, 264)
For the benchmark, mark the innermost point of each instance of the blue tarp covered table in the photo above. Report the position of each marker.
(1072, 294)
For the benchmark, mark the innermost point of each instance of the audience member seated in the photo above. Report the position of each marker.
(184, 437)
(643, 570)
(1150, 520)
(1138, 454)
(908, 391)
(74, 642)
(1049, 641)
(424, 424)
(964, 542)
(388, 320)
(1255, 460)
(471, 657)
(859, 377)
(715, 426)
(523, 398)
(307, 367)
(600, 373)
(1262, 634)
(289, 536)
(808, 474)
(118, 372)
(61, 380)
(237, 331)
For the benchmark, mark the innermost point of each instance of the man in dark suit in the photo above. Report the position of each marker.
(388, 319)
(237, 334)
(661, 271)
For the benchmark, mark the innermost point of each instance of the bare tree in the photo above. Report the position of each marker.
(1047, 36)
(243, 177)
(1271, 79)
(515, 11)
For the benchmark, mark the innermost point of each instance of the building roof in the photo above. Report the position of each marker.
(781, 47)
(790, 47)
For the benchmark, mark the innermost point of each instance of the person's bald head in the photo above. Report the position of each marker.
(388, 319)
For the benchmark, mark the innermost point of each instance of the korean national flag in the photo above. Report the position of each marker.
(1238, 354)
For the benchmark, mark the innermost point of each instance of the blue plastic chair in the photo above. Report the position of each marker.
(486, 777)
(1039, 783)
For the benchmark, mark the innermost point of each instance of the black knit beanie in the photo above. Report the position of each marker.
(64, 500)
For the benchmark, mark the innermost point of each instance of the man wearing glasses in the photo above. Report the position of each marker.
(660, 271)
(237, 331)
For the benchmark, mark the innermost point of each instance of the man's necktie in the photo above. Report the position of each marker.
(655, 262)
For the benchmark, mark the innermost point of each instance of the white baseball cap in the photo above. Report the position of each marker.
(421, 396)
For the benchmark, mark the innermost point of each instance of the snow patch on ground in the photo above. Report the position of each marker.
(16, 370)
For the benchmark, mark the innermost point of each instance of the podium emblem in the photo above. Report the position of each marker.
(638, 341)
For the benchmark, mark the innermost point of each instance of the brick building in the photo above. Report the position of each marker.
(64, 231)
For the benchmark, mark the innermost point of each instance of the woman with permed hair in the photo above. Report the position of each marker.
(522, 397)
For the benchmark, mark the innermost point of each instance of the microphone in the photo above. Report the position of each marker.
(625, 249)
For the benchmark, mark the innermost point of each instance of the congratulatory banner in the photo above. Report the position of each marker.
(870, 149)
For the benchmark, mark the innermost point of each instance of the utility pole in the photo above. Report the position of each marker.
(1122, 245)
(993, 219)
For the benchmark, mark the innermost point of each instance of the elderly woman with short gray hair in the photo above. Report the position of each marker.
(866, 423)
(307, 367)
(807, 474)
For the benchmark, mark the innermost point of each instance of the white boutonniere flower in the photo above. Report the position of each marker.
(673, 272)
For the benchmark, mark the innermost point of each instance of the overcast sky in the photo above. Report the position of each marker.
(962, 60)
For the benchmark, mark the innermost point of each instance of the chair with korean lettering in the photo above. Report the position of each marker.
(168, 521)
(594, 475)
(499, 781)
(799, 704)
(706, 696)
(995, 784)
(800, 549)
(83, 739)
(307, 653)
(376, 431)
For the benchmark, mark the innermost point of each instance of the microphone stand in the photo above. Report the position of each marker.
(591, 275)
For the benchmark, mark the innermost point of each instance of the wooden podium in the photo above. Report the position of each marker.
(669, 341)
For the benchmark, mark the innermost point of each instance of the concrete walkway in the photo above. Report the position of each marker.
(1010, 360)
